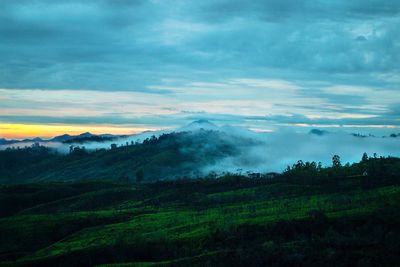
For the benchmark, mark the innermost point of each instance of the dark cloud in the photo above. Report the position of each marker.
(142, 46)
(277, 10)
(113, 44)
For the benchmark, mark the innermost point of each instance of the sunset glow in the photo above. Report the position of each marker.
(126, 66)
(20, 131)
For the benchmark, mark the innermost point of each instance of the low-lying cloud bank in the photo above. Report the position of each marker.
(275, 151)
(262, 152)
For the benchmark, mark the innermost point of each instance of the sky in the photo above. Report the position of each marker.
(118, 66)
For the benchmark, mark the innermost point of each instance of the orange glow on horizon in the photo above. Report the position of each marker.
(21, 131)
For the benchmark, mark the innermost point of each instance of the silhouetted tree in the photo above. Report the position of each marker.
(79, 151)
(319, 167)
(336, 161)
(364, 157)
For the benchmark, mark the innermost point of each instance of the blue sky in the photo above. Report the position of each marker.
(138, 65)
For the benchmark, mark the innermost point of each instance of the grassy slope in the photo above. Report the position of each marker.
(170, 156)
(207, 222)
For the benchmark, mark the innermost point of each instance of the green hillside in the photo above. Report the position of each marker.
(291, 220)
(166, 157)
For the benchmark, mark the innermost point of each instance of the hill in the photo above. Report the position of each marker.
(65, 138)
(230, 221)
(168, 156)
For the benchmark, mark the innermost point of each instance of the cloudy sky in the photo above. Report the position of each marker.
(124, 66)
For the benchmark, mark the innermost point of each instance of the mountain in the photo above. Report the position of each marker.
(108, 135)
(4, 141)
(61, 138)
(85, 135)
(88, 137)
(200, 124)
(169, 156)
(65, 138)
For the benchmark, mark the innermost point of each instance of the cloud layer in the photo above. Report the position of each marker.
(261, 64)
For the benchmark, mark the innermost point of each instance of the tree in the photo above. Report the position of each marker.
(319, 167)
(79, 151)
(364, 157)
(336, 161)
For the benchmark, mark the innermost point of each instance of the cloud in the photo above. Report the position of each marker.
(275, 151)
(107, 45)
(260, 151)
(152, 58)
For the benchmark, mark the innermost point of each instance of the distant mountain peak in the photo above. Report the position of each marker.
(200, 124)
(61, 138)
(86, 134)
(201, 121)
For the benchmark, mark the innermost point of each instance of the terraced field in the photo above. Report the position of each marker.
(225, 222)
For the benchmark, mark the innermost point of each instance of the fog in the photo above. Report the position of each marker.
(275, 151)
(91, 146)
(259, 152)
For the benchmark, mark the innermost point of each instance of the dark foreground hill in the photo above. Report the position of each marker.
(167, 157)
(230, 221)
